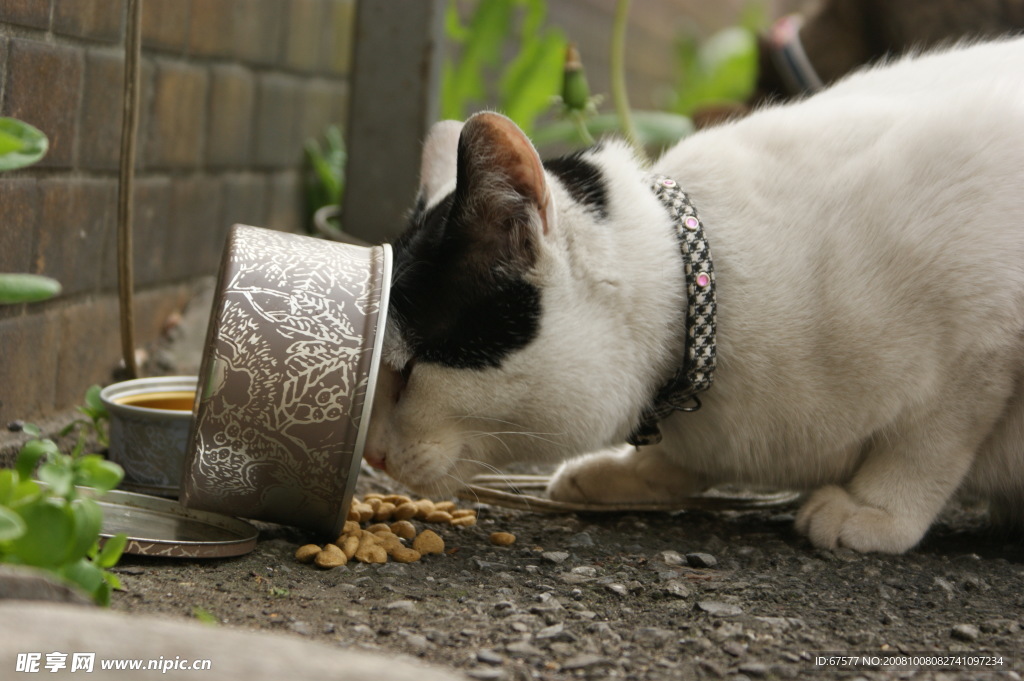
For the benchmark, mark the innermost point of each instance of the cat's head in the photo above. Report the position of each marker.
(504, 334)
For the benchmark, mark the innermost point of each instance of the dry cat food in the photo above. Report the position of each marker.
(502, 538)
(379, 525)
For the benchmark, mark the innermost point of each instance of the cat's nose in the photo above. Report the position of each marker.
(376, 458)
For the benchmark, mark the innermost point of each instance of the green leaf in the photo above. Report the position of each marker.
(533, 79)
(8, 481)
(60, 478)
(88, 523)
(113, 580)
(20, 144)
(94, 407)
(66, 430)
(11, 524)
(93, 470)
(723, 69)
(86, 575)
(30, 455)
(453, 26)
(112, 550)
(462, 82)
(26, 288)
(25, 492)
(204, 615)
(49, 534)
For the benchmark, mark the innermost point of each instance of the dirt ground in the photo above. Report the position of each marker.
(689, 595)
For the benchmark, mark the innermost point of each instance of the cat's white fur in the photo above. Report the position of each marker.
(869, 253)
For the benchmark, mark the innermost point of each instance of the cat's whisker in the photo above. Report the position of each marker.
(478, 434)
(459, 419)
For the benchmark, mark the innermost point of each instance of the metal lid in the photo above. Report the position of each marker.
(162, 527)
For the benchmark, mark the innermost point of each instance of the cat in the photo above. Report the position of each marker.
(868, 262)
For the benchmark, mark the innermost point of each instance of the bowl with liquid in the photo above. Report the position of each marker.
(150, 420)
(287, 378)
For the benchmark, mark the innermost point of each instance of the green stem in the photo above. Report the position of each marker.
(580, 121)
(618, 75)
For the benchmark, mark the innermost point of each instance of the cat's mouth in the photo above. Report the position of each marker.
(432, 468)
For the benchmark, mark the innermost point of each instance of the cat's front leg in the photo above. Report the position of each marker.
(624, 475)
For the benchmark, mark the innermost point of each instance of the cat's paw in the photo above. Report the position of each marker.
(622, 476)
(832, 518)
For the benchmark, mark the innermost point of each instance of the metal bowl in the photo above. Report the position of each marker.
(149, 428)
(288, 371)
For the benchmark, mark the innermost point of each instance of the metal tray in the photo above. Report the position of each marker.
(514, 491)
(162, 527)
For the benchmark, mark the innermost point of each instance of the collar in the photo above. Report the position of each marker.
(698, 369)
(790, 58)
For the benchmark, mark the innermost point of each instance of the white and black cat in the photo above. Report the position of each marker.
(868, 250)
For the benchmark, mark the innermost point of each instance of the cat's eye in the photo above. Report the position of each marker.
(404, 375)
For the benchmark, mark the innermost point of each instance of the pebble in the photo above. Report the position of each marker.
(582, 539)
(408, 606)
(965, 632)
(487, 674)
(616, 588)
(674, 587)
(719, 609)
(488, 565)
(416, 640)
(672, 558)
(488, 656)
(583, 661)
(734, 648)
(556, 632)
(523, 649)
(701, 560)
(555, 556)
(756, 669)
(301, 628)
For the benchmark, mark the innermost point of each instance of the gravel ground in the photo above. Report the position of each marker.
(690, 595)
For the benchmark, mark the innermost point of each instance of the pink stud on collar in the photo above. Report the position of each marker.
(703, 280)
(668, 182)
(691, 223)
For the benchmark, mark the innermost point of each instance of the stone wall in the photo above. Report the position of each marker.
(230, 91)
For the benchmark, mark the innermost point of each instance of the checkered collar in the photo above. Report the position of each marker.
(698, 369)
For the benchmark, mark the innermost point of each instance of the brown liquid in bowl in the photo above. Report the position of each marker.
(171, 400)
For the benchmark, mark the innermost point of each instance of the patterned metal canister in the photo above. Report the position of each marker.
(287, 377)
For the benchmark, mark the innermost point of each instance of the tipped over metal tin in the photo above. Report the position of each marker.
(286, 382)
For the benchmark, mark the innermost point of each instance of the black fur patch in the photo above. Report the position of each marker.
(454, 304)
(582, 179)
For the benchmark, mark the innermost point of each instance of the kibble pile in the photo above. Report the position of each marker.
(379, 525)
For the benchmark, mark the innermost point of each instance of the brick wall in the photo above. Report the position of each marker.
(230, 90)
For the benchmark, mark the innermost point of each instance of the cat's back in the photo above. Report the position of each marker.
(908, 176)
(949, 118)
(986, 70)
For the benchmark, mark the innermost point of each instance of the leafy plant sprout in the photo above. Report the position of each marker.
(53, 522)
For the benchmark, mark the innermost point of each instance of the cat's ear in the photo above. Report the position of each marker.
(438, 164)
(500, 179)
